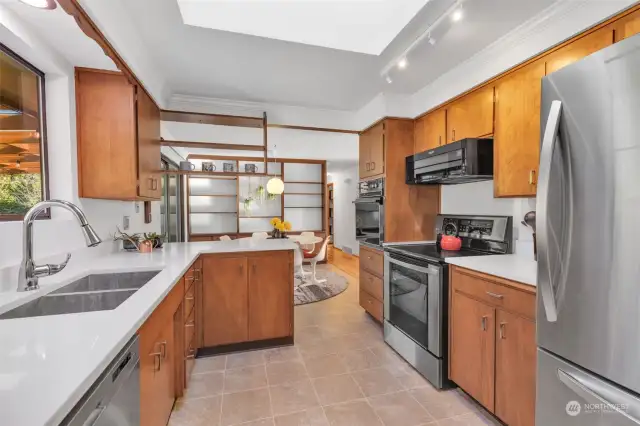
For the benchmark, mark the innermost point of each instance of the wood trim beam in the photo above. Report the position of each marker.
(86, 24)
(218, 119)
(212, 145)
(313, 129)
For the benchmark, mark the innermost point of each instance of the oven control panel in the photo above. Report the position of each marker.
(491, 228)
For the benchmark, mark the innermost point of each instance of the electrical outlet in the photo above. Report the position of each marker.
(125, 223)
(137, 207)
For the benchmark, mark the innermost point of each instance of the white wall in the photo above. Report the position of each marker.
(345, 190)
(477, 198)
(60, 234)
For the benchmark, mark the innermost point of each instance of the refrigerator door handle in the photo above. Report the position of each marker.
(546, 157)
(603, 396)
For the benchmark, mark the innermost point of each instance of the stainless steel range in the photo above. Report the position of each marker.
(416, 289)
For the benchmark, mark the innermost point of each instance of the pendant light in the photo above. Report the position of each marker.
(275, 185)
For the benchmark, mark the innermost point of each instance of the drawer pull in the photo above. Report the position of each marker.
(163, 349)
(369, 257)
(190, 324)
(189, 298)
(495, 295)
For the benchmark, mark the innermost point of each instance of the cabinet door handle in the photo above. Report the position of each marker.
(190, 324)
(453, 135)
(495, 295)
(439, 140)
(189, 298)
(373, 165)
(532, 177)
(253, 268)
(163, 349)
(156, 356)
(483, 323)
(197, 273)
(241, 267)
(503, 330)
(368, 166)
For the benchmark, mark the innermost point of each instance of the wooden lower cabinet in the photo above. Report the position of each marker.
(247, 297)
(473, 348)
(270, 313)
(371, 296)
(157, 371)
(225, 299)
(515, 369)
(492, 344)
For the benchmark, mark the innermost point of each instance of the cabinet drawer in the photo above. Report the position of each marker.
(371, 305)
(494, 293)
(189, 362)
(189, 303)
(189, 331)
(372, 261)
(371, 284)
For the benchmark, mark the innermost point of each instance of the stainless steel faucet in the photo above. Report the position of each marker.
(29, 271)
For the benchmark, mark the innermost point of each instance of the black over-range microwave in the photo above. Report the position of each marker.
(467, 160)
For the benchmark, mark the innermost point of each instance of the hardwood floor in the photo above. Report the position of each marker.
(339, 372)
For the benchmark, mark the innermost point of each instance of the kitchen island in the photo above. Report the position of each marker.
(49, 362)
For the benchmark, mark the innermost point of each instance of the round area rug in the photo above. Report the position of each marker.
(311, 293)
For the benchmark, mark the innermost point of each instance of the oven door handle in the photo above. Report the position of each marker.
(431, 270)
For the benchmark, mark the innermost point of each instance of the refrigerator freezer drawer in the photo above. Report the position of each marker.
(570, 396)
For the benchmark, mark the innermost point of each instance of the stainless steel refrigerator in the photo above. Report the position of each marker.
(588, 230)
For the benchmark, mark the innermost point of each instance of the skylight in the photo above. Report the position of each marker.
(364, 26)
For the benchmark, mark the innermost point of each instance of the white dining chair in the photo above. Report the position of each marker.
(298, 258)
(314, 262)
(308, 247)
(225, 238)
(260, 235)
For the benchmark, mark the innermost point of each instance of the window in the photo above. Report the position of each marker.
(23, 174)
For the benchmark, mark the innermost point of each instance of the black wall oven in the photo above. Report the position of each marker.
(370, 212)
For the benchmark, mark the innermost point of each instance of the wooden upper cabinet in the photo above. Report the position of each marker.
(372, 150)
(430, 131)
(118, 138)
(106, 126)
(270, 295)
(472, 352)
(517, 134)
(471, 116)
(226, 300)
(578, 49)
(148, 146)
(627, 26)
(515, 369)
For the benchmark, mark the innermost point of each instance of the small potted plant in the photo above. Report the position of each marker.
(130, 242)
(156, 238)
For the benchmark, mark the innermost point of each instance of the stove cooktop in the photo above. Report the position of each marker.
(432, 251)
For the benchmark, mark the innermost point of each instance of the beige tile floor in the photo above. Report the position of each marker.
(339, 372)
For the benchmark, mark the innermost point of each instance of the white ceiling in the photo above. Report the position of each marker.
(315, 22)
(227, 65)
(222, 64)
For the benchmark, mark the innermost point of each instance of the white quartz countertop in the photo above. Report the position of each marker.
(48, 363)
(509, 266)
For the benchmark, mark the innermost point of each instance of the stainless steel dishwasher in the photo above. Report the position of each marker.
(114, 400)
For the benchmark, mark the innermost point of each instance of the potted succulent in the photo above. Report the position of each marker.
(280, 228)
(130, 242)
(156, 238)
